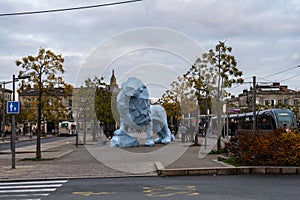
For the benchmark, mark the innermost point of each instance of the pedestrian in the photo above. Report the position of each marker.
(33, 131)
(19, 131)
(182, 132)
(190, 132)
(286, 129)
(201, 127)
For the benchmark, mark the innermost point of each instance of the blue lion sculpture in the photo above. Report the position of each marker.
(135, 111)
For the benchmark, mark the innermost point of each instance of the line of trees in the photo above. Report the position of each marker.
(101, 103)
(205, 82)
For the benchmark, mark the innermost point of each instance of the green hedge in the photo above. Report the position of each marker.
(265, 149)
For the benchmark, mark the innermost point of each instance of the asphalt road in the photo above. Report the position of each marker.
(246, 187)
(25, 143)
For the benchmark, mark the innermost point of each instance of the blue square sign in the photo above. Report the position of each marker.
(13, 107)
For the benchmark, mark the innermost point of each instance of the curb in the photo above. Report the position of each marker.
(254, 170)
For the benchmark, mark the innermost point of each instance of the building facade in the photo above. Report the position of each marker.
(268, 96)
(6, 95)
(56, 107)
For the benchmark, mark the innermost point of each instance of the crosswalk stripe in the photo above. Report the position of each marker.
(33, 182)
(29, 190)
(24, 195)
(29, 186)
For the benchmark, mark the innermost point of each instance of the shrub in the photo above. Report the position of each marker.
(275, 148)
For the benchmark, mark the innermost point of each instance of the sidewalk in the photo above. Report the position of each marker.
(62, 159)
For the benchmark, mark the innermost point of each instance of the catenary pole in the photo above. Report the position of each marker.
(254, 103)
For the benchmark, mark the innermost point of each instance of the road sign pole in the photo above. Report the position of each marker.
(13, 139)
(13, 133)
(3, 111)
(13, 108)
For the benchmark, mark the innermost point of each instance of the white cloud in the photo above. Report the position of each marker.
(265, 35)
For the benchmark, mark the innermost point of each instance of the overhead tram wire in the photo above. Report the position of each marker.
(250, 82)
(68, 9)
(280, 72)
(264, 82)
(289, 77)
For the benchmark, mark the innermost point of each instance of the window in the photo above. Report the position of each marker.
(273, 102)
(267, 102)
(295, 102)
(286, 101)
(65, 125)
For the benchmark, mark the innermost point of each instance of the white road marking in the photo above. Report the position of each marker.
(29, 186)
(29, 190)
(33, 182)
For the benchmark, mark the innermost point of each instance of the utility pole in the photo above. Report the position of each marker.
(254, 103)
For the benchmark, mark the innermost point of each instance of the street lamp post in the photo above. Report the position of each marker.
(84, 124)
(77, 124)
(13, 128)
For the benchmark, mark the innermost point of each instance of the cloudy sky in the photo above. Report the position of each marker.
(156, 40)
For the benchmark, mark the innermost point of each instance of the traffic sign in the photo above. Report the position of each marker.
(13, 107)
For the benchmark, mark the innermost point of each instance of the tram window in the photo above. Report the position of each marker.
(265, 123)
(244, 123)
(284, 117)
(247, 125)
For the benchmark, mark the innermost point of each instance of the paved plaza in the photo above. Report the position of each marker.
(62, 159)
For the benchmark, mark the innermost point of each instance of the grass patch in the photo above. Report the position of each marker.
(37, 159)
(231, 161)
(217, 151)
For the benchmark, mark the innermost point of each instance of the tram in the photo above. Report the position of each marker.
(271, 119)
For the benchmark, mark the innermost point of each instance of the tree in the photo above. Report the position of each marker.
(225, 65)
(84, 105)
(228, 73)
(45, 72)
(98, 103)
(172, 106)
(178, 100)
(105, 105)
(202, 77)
(211, 74)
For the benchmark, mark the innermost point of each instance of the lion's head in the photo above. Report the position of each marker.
(133, 103)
